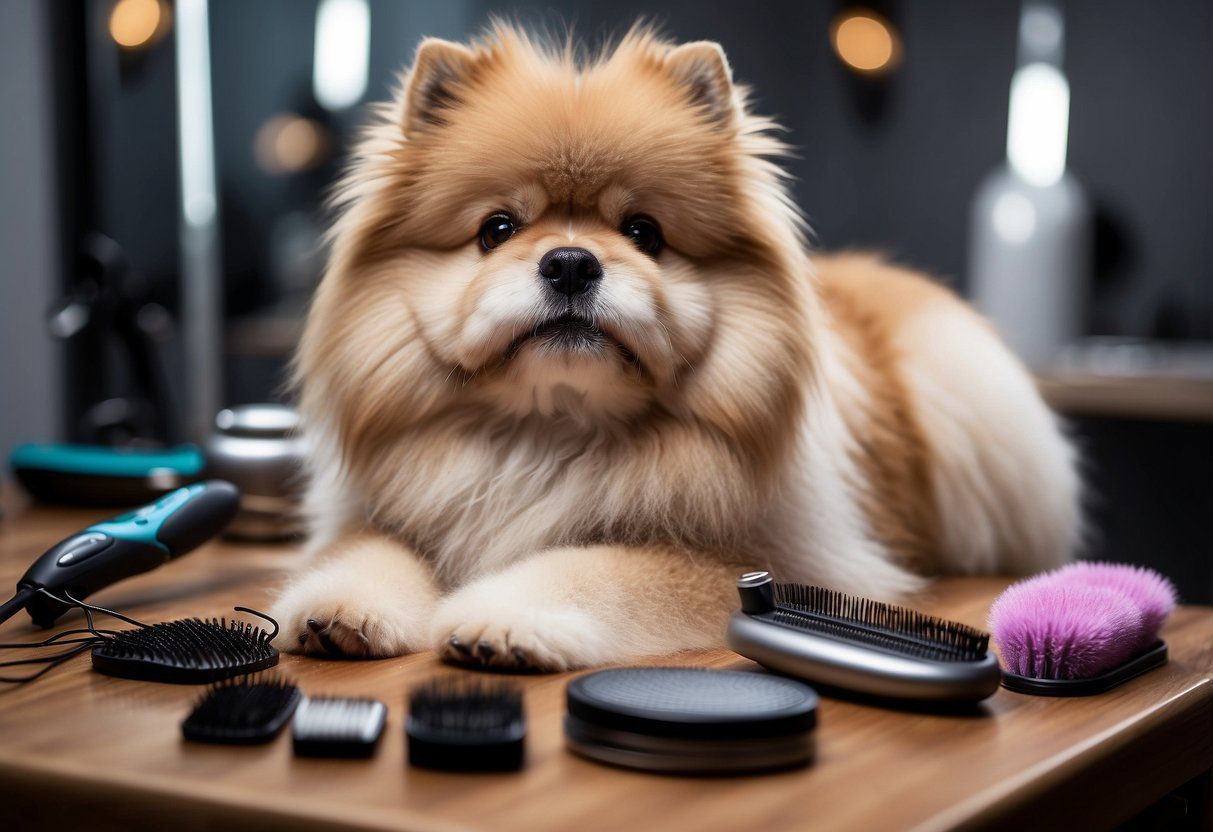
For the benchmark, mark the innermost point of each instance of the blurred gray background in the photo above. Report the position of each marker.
(90, 144)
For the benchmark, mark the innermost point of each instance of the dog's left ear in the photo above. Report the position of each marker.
(704, 69)
(434, 81)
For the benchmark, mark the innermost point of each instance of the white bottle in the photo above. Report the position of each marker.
(1031, 236)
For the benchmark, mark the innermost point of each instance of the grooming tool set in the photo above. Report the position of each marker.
(1078, 630)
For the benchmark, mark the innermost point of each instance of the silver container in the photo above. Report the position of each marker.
(260, 449)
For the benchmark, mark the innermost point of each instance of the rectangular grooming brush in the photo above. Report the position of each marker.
(457, 724)
(250, 710)
(334, 727)
(860, 645)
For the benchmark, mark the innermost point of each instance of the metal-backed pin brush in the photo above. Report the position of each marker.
(860, 645)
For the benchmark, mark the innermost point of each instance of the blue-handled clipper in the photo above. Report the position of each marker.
(126, 545)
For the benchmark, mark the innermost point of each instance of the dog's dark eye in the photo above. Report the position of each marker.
(644, 233)
(496, 230)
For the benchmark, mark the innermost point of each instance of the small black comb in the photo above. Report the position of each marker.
(189, 651)
(245, 711)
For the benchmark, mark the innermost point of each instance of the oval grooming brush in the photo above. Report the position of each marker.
(860, 645)
(1082, 629)
(188, 651)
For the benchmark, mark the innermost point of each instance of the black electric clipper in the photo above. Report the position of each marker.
(129, 544)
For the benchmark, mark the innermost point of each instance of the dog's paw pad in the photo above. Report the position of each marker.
(348, 631)
(501, 650)
(333, 636)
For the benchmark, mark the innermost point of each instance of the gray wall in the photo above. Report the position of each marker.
(29, 365)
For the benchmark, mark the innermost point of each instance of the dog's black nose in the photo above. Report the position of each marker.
(570, 271)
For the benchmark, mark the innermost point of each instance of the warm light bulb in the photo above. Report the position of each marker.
(865, 41)
(290, 143)
(133, 23)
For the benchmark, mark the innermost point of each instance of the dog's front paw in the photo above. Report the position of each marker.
(518, 636)
(354, 622)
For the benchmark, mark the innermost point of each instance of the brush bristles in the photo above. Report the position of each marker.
(1081, 620)
(243, 702)
(1154, 595)
(192, 642)
(877, 624)
(1047, 629)
(466, 706)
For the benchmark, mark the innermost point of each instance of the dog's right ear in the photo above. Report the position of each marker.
(434, 82)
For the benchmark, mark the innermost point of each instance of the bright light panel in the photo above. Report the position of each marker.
(1039, 124)
(194, 113)
(342, 58)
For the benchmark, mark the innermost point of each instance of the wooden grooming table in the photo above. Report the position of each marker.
(85, 751)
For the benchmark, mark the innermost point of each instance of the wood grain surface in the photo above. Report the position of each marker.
(95, 752)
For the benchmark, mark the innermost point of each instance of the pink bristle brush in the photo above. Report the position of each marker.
(1081, 629)
(1154, 595)
(1048, 630)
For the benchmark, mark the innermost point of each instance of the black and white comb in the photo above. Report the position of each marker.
(335, 727)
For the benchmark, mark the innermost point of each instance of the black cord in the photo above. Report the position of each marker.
(15, 604)
(53, 640)
(95, 638)
(54, 661)
(44, 659)
(76, 602)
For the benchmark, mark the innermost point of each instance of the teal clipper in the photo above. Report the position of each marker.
(129, 544)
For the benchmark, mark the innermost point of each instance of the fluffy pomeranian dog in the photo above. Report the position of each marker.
(571, 371)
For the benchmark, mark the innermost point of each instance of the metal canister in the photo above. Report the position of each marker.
(260, 448)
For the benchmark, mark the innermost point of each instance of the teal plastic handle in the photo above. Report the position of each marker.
(184, 460)
(143, 525)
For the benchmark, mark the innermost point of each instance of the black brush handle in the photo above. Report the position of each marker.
(757, 591)
(129, 544)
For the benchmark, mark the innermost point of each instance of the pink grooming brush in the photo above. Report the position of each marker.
(1153, 594)
(1082, 629)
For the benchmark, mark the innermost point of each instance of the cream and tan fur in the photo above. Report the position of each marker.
(510, 502)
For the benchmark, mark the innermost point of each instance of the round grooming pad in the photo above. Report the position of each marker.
(691, 720)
